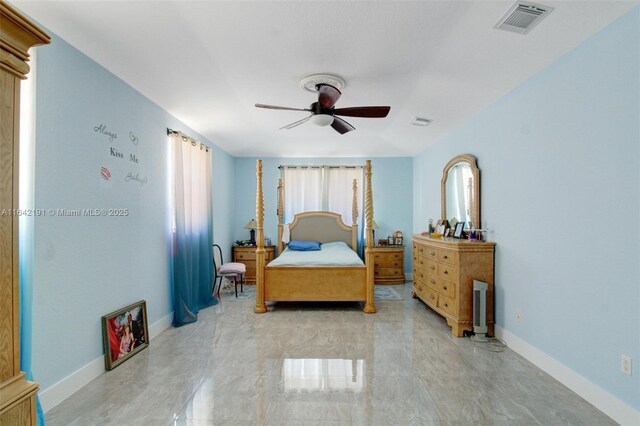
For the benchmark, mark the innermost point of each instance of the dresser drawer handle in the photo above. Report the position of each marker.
(433, 253)
(444, 288)
(446, 272)
(431, 295)
(421, 250)
(433, 281)
(446, 305)
(396, 264)
(421, 275)
(445, 257)
(433, 267)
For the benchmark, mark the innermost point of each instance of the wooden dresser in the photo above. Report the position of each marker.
(443, 274)
(247, 255)
(388, 265)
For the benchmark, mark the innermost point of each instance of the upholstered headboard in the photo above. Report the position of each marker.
(324, 227)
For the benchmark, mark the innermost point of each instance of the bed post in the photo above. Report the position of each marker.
(280, 215)
(260, 307)
(369, 305)
(354, 217)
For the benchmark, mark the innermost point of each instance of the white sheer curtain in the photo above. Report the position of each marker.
(339, 191)
(303, 190)
(322, 188)
(192, 223)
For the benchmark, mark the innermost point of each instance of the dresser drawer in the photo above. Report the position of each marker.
(446, 304)
(447, 256)
(431, 253)
(431, 280)
(430, 296)
(431, 267)
(245, 255)
(421, 263)
(447, 288)
(448, 272)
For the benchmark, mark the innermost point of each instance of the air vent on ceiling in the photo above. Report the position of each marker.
(419, 121)
(522, 17)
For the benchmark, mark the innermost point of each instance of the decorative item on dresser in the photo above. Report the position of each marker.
(388, 264)
(443, 274)
(247, 255)
(17, 36)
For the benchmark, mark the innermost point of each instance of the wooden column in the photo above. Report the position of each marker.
(260, 307)
(17, 36)
(354, 217)
(280, 215)
(369, 305)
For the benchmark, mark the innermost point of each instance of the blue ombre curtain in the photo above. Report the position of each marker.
(192, 223)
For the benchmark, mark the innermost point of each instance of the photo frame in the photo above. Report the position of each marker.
(458, 232)
(124, 333)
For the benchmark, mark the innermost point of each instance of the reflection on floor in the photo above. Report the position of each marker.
(322, 364)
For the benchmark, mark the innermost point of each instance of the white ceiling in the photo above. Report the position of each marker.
(209, 62)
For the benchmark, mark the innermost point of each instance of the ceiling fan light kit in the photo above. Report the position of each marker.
(323, 112)
(322, 119)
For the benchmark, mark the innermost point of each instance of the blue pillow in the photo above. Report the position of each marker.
(304, 245)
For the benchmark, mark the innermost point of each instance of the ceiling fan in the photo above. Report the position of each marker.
(323, 112)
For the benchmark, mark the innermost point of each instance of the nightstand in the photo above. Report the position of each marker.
(388, 264)
(247, 255)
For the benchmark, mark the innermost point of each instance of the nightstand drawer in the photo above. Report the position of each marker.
(387, 272)
(387, 263)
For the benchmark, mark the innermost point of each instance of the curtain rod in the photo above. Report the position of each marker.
(187, 138)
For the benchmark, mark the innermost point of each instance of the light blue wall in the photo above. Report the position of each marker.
(560, 172)
(391, 184)
(85, 267)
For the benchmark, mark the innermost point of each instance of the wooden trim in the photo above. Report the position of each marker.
(473, 163)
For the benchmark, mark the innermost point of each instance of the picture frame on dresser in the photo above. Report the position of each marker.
(458, 233)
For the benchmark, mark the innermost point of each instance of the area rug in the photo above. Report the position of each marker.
(249, 293)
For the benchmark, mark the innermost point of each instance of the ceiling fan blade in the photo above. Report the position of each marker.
(341, 126)
(282, 108)
(296, 123)
(364, 111)
(327, 95)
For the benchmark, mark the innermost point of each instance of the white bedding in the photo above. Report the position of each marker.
(330, 254)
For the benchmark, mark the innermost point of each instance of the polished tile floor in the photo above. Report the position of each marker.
(322, 364)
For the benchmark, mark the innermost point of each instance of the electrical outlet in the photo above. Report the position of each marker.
(626, 364)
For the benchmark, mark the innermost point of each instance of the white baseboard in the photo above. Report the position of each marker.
(66, 387)
(595, 395)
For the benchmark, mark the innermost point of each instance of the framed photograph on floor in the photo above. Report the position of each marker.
(124, 334)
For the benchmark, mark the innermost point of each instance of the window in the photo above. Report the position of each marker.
(322, 188)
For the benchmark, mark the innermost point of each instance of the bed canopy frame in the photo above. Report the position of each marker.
(327, 283)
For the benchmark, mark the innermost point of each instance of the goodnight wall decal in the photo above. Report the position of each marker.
(132, 176)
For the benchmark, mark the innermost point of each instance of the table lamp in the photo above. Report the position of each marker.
(374, 226)
(251, 226)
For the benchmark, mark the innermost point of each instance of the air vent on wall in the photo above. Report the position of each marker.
(522, 17)
(419, 121)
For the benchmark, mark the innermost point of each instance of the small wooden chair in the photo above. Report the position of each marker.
(229, 270)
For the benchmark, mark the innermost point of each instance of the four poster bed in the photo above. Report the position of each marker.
(305, 276)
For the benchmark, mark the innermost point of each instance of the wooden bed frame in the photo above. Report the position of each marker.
(322, 284)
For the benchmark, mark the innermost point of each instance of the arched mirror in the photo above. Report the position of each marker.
(460, 191)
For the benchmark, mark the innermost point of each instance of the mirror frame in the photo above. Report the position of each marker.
(473, 164)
